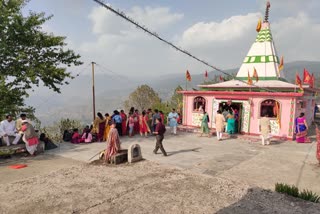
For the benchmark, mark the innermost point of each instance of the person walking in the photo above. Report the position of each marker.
(265, 129)
(159, 132)
(220, 120)
(204, 124)
(173, 121)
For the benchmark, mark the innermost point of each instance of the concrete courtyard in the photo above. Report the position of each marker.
(239, 159)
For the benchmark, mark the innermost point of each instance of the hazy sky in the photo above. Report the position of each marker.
(220, 32)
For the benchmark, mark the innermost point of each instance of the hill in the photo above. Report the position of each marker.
(111, 91)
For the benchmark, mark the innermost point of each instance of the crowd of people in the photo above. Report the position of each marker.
(134, 123)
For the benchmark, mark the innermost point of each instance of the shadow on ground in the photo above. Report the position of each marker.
(258, 201)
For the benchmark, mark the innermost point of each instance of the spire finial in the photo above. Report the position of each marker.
(267, 12)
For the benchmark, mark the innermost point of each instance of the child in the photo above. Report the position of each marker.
(87, 137)
(76, 137)
(131, 124)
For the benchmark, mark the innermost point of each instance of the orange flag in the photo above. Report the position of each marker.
(255, 74)
(298, 81)
(306, 76)
(188, 76)
(258, 26)
(249, 79)
(281, 65)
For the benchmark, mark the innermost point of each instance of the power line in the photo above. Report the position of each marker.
(154, 34)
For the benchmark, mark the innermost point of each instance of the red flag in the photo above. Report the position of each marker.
(298, 81)
(221, 78)
(206, 74)
(255, 74)
(306, 76)
(188, 76)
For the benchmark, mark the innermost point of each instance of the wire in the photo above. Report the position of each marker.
(154, 34)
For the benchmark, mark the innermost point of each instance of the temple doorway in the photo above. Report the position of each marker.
(235, 109)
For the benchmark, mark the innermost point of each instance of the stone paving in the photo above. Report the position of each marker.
(235, 158)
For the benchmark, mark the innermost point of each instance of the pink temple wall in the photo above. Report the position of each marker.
(290, 109)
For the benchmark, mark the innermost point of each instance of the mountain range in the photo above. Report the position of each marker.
(75, 100)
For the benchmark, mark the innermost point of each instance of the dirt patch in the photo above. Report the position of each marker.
(143, 187)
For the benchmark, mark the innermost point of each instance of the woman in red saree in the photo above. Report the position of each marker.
(143, 124)
(124, 122)
(301, 129)
(113, 143)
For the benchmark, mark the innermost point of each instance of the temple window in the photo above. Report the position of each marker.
(199, 104)
(270, 107)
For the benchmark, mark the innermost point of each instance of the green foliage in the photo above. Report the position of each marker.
(294, 191)
(287, 189)
(142, 98)
(55, 132)
(177, 99)
(29, 56)
(309, 196)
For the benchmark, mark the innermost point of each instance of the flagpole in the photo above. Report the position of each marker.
(186, 84)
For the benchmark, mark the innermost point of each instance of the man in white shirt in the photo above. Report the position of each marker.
(8, 128)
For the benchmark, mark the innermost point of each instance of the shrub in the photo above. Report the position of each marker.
(294, 191)
(287, 189)
(309, 196)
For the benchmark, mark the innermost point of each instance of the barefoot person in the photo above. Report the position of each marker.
(113, 143)
(29, 137)
(159, 132)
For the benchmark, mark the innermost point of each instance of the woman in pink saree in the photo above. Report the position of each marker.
(113, 143)
(301, 129)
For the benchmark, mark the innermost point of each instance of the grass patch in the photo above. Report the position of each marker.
(306, 195)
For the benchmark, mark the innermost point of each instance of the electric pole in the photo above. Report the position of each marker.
(93, 93)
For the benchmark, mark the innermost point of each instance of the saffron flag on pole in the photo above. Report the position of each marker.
(298, 81)
(281, 65)
(188, 76)
(255, 74)
(258, 28)
(306, 76)
(249, 79)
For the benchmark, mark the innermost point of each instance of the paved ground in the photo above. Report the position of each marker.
(237, 159)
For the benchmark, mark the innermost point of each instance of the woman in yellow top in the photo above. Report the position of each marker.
(99, 126)
(107, 126)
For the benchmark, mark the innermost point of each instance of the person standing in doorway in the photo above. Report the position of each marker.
(173, 117)
(265, 129)
(220, 120)
(159, 132)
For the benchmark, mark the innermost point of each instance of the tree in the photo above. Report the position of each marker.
(142, 98)
(29, 56)
(176, 99)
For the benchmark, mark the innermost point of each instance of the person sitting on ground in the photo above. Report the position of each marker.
(8, 128)
(30, 137)
(113, 143)
(76, 137)
(87, 137)
(86, 129)
(67, 136)
(48, 144)
(19, 122)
